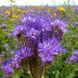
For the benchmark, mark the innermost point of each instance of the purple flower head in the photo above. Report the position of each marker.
(59, 25)
(7, 61)
(48, 49)
(73, 58)
(28, 18)
(20, 30)
(7, 67)
(32, 20)
(23, 53)
(32, 33)
(76, 23)
(46, 24)
(15, 62)
(1, 77)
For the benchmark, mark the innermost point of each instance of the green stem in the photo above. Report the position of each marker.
(35, 69)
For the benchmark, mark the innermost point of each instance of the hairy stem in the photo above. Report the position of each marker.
(35, 69)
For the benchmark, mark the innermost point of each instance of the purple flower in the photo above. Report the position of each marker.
(23, 53)
(73, 58)
(32, 33)
(1, 77)
(7, 67)
(28, 18)
(46, 24)
(32, 20)
(48, 49)
(20, 30)
(59, 25)
(45, 57)
(15, 62)
(76, 23)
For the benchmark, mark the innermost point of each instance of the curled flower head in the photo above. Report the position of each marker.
(8, 69)
(19, 31)
(23, 53)
(59, 26)
(48, 49)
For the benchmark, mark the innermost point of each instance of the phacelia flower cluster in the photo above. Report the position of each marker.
(39, 36)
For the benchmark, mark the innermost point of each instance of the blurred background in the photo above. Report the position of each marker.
(38, 2)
